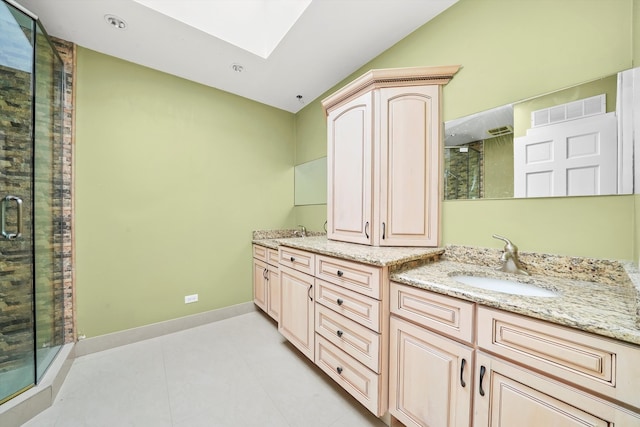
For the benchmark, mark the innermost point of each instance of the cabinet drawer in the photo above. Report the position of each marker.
(450, 316)
(354, 339)
(605, 366)
(361, 278)
(297, 259)
(357, 307)
(353, 376)
(272, 256)
(514, 396)
(260, 252)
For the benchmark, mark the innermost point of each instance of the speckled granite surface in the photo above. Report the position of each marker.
(597, 296)
(281, 234)
(605, 307)
(379, 256)
(577, 268)
(271, 238)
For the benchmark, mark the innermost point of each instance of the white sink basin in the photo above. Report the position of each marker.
(505, 286)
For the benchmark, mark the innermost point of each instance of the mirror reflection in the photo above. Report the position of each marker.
(310, 183)
(564, 143)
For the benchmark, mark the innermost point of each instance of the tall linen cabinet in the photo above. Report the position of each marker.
(384, 150)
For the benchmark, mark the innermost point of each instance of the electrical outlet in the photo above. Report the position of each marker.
(191, 298)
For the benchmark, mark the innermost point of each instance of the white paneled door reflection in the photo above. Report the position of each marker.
(572, 158)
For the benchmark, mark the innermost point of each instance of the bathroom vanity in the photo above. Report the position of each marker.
(394, 329)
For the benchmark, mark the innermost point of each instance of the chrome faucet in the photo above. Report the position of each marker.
(509, 258)
(302, 232)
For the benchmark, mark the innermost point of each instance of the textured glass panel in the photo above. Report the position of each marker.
(47, 206)
(16, 168)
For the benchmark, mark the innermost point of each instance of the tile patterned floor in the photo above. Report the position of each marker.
(236, 372)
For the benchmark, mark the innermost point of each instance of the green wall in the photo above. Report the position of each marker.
(171, 178)
(512, 50)
(636, 63)
(498, 179)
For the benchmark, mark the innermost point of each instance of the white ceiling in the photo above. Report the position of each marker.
(475, 127)
(330, 40)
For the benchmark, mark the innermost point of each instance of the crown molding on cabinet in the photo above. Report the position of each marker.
(374, 79)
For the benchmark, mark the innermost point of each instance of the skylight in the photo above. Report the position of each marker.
(257, 26)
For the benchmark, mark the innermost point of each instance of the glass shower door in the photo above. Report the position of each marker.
(17, 358)
(47, 203)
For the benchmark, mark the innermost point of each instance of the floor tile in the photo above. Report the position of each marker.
(237, 372)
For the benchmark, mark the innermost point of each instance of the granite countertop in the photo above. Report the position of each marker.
(372, 255)
(601, 307)
(594, 295)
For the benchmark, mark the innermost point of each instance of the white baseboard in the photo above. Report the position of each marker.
(129, 336)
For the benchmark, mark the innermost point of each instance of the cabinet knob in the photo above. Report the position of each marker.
(340, 273)
(339, 301)
(339, 369)
(292, 259)
(339, 332)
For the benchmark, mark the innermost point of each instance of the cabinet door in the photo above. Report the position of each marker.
(296, 309)
(508, 396)
(430, 378)
(409, 169)
(349, 181)
(273, 291)
(260, 284)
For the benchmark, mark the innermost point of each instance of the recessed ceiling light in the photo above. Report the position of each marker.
(115, 22)
(237, 68)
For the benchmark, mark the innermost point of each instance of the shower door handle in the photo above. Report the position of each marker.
(3, 211)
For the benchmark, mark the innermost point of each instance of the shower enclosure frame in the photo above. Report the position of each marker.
(57, 146)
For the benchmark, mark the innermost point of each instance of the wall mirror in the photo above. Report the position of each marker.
(310, 182)
(572, 142)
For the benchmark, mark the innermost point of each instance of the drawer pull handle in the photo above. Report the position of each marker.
(340, 273)
(339, 301)
(309, 292)
(339, 369)
(384, 230)
(483, 370)
(264, 274)
(366, 229)
(339, 332)
(462, 383)
(293, 259)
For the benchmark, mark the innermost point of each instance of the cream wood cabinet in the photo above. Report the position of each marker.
(351, 328)
(384, 157)
(296, 299)
(266, 280)
(508, 395)
(430, 375)
(335, 312)
(568, 357)
(526, 372)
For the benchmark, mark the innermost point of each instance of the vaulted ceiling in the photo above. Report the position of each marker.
(284, 48)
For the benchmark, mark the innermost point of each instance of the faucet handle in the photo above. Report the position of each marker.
(504, 239)
(508, 247)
